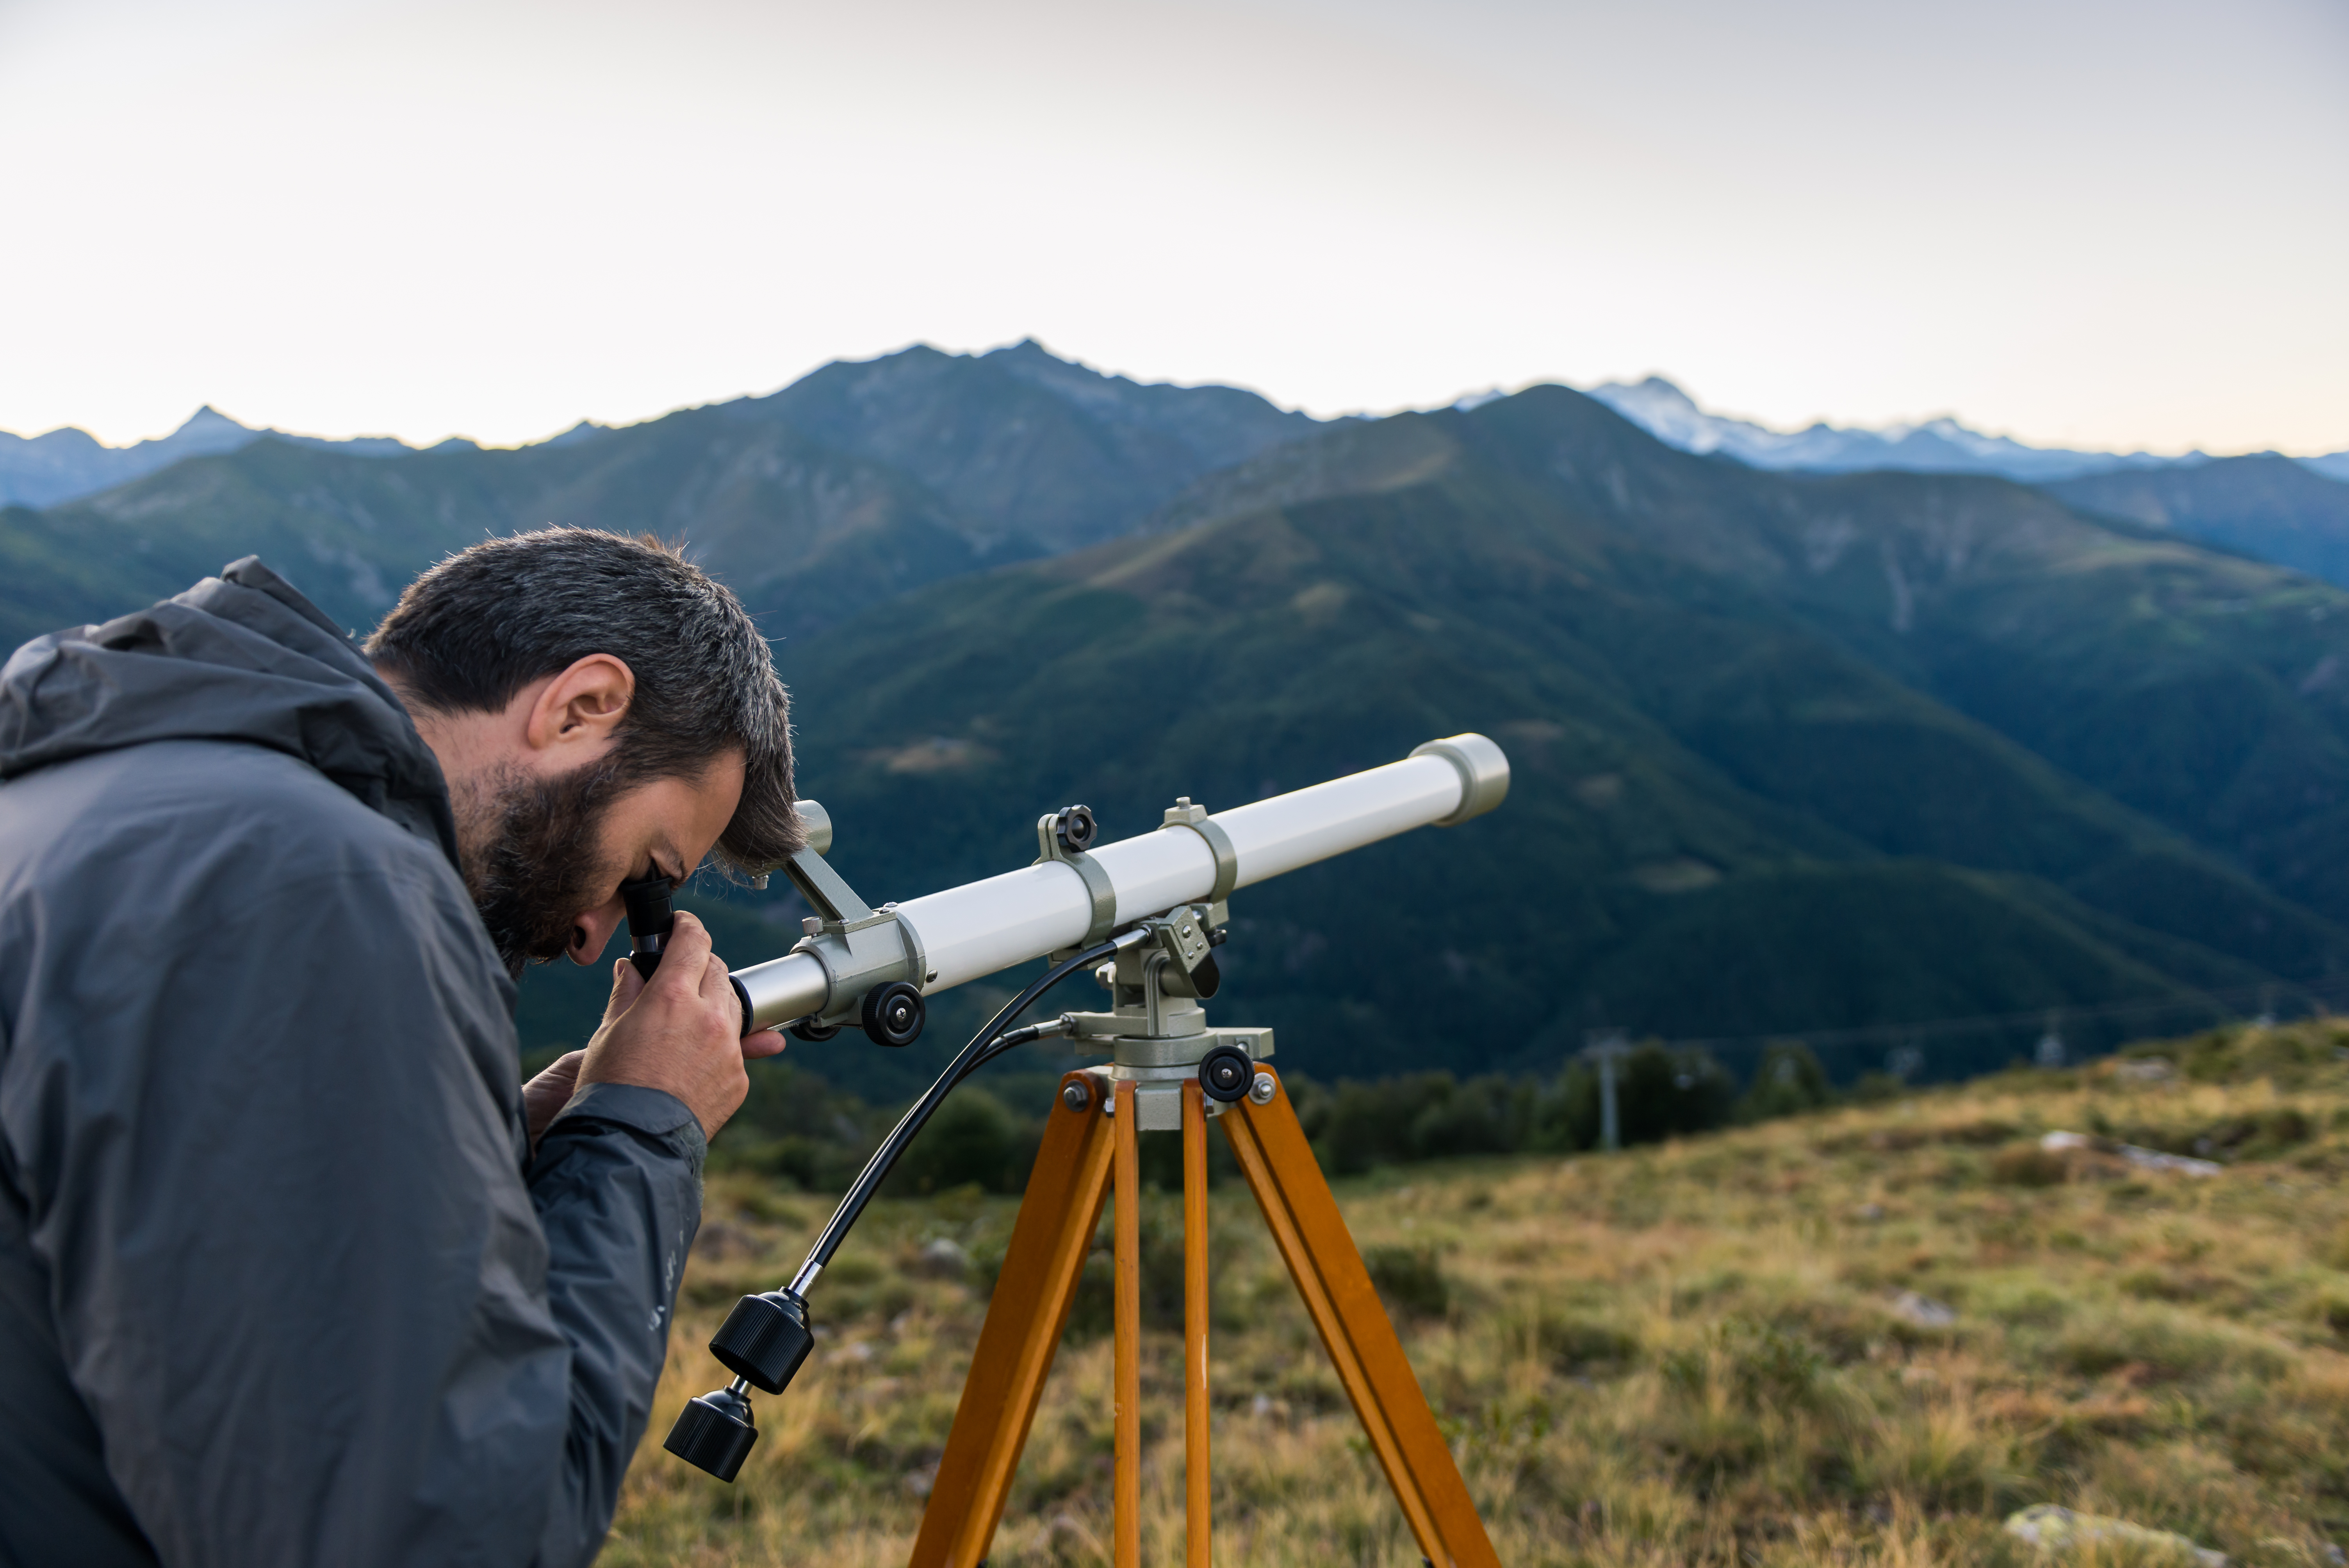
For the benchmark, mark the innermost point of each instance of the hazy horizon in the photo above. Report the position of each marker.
(1694, 394)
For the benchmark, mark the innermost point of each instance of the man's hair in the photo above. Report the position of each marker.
(488, 621)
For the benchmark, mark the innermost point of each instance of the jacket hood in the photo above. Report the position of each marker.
(241, 656)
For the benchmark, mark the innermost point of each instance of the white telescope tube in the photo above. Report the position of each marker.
(980, 927)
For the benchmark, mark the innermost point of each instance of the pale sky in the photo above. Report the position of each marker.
(2111, 223)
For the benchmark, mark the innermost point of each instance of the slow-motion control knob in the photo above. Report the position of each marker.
(1224, 1073)
(893, 1015)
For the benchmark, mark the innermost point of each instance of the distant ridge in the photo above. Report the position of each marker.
(69, 463)
(1937, 446)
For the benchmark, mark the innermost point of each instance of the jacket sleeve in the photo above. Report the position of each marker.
(618, 1224)
(272, 1152)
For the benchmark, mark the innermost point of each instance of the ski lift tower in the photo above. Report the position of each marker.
(1608, 1047)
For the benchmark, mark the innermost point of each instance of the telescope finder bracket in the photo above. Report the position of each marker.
(1065, 836)
(872, 958)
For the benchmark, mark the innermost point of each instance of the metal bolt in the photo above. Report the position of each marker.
(1075, 1098)
(1262, 1091)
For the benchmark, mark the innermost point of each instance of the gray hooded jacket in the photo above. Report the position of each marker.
(280, 1283)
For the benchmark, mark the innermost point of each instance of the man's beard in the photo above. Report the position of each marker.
(530, 857)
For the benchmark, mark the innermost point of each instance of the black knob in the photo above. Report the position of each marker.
(813, 1032)
(1076, 828)
(714, 1433)
(894, 1014)
(764, 1340)
(1224, 1074)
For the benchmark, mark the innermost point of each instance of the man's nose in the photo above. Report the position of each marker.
(592, 933)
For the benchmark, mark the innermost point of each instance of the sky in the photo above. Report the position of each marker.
(2103, 223)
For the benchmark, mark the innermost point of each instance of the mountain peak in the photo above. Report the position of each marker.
(208, 422)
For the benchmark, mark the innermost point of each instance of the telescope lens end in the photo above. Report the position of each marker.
(1484, 770)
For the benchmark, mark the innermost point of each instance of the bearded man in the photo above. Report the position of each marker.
(293, 1269)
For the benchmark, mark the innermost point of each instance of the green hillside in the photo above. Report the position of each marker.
(2264, 506)
(1725, 821)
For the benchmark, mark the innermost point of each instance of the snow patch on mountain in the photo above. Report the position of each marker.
(1939, 445)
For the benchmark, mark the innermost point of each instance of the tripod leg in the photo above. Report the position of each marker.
(1030, 1306)
(1322, 1257)
(1195, 1474)
(1125, 1187)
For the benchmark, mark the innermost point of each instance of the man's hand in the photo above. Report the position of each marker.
(681, 1031)
(543, 1096)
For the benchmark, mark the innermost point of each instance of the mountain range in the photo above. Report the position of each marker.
(68, 464)
(1940, 446)
(1794, 752)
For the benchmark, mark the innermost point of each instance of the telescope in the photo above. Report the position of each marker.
(1149, 911)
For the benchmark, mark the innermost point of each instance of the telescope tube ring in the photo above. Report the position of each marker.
(1098, 886)
(1185, 813)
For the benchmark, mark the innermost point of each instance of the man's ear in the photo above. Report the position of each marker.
(577, 712)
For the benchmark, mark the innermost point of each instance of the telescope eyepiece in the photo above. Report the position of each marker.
(651, 917)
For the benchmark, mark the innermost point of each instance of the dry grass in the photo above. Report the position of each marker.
(1694, 1353)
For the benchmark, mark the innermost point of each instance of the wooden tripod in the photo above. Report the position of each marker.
(1089, 1151)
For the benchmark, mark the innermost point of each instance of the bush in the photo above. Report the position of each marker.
(1659, 1094)
(1421, 1116)
(1411, 1279)
(1094, 1311)
(1567, 1341)
(972, 1138)
(2028, 1165)
(1789, 1080)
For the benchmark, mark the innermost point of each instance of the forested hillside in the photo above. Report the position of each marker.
(1794, 753)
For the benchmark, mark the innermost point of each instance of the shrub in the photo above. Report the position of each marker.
(1567, 1341)
(2028, 1165)
(972, 1139)
(1411, 1279)
(2167, 1344)
(1789, 1080)
(1659, 1094)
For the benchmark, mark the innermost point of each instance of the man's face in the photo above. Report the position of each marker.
(544, 856)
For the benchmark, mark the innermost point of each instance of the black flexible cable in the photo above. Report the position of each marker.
(966, 1061)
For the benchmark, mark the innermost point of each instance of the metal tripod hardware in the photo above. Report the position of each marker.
(872, 958)
(1156, 1034)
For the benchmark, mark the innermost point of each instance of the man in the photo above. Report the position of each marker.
(293, 1270)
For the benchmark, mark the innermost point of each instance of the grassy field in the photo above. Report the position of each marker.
(1864, 1335)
